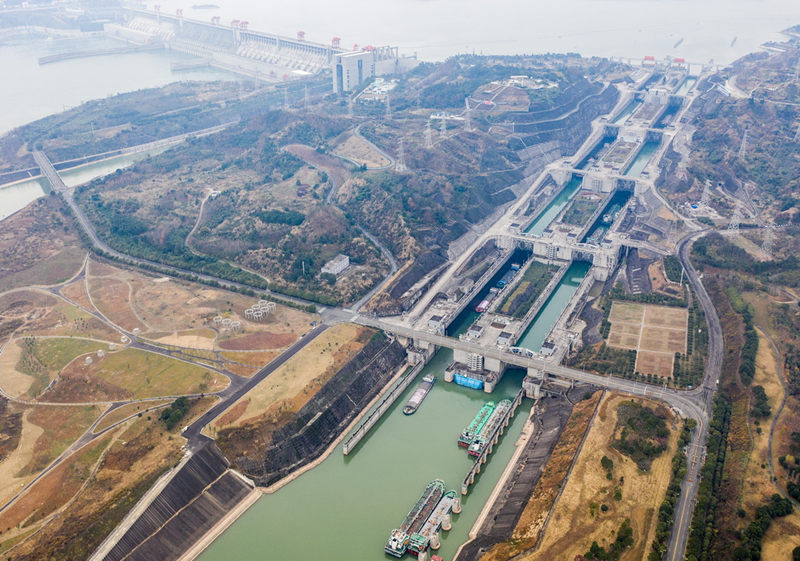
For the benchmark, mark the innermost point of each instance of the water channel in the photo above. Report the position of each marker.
(345, 507)
(546, 217)
(642, 159)
(686, 86)
(547, 317)
(16, 196)
(627, 112)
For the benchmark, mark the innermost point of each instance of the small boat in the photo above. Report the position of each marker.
(420, 392)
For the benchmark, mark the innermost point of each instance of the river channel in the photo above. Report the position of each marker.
(17, 196)
(345, 507)
(546, 217)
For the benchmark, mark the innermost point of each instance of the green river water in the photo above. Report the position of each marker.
(19, 195)
(561, 200)
(344, 508)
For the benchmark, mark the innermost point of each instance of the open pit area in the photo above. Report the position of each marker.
(656, 333)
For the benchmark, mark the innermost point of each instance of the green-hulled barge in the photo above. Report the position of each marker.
(468, 434)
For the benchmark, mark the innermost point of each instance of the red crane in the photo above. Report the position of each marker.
(215, 20)
(156, 8)
(243, 24)
(355, 46)
(234, 23)
(301, 35)
(335, 42)
(179, 12)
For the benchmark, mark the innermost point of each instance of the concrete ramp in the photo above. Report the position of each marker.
(192, 502)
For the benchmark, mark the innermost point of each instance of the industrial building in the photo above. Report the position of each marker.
(350, 70)
(337, 265)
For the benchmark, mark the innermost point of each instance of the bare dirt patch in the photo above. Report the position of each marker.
(193, 339)
(10, 468)
(297, 381)
(111, 297)
(14, 383)
(579, 519)
(655, 363)
(355, 148)
(263, 340)
(655, 332)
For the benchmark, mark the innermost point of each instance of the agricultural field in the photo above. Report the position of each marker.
(608, 486)
(655, 332)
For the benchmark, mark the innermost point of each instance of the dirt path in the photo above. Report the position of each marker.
(778, 412)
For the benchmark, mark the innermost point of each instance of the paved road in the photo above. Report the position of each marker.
(684, 507)
(195, 439)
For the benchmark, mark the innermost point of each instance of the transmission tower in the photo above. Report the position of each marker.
(736, 219)
(400, 163)
(388, 108)
(706, 198)
(743, 146)
(428, 136)
(468, 122)
(350, 107)
(444, 127)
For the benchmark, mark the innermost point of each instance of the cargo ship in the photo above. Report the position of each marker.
(486, 302)
(481, 439)
(468, 434)
(419, 394)
(397, 544)
(421, 540)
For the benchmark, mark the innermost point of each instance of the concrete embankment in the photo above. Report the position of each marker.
(199, 495)
(498, 521)
(326, 415)
(97, 52)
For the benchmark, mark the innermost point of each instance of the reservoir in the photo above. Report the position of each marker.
(345, 507)
(18, 195)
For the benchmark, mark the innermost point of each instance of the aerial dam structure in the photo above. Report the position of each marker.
(236, 48)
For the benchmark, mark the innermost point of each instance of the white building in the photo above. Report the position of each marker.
(337, 265)
(352, 69)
